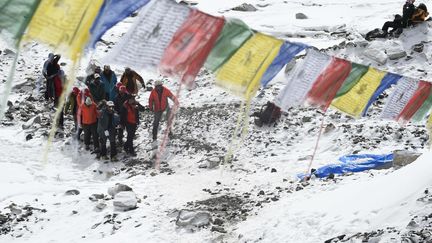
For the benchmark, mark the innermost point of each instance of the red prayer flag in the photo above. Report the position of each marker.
(191, 45)
(328, 83)
(416, 101)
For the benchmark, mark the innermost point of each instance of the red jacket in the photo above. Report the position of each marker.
(157, 103)
(89, 114)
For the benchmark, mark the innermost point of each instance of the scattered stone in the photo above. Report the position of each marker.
(101, 205)
(35, 120)
(218, 229)
(192, 218)
(29, 137)
(72, 192)
(402, 158)
(330, 127)
(412, 224)
(376, 55)
(125, 201)
(273, 170)
(118, 188)
(245, 7)
(74, 212)
(300, 16)
(96, 197)
(418, 47)
(218, 221)
(396, 53)
(306, 119)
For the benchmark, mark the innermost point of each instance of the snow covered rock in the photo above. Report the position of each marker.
(189, 218)
(418, 47)
(376, 55)
(118, 188)
(301, 16)
(396, 53)
(35, 120)
(125, 201)
(403, 157)
(245, 7)
(101, 205)
(72, 192)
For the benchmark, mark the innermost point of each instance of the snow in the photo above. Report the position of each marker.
(322, 210)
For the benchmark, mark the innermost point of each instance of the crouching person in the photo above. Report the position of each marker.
(107, 123)
(89, 123)
(129, 119)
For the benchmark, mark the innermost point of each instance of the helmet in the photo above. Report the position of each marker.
(96, 75)
(122, 89)
(110, 103)
(75, 90)
(119, 84)
(158, 82)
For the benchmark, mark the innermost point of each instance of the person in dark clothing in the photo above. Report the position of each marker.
(71, 107)
(129, 119)
(121, 98)
(97, 89)
(109, 79)
(49, 85)
(407, 13)
(129, 80)
(158, 103)
(89, 79)
(107, 123)
(269, 114)
(55, 84)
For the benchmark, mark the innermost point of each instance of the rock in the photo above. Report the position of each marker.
(412, 224)
(29, 137)
(96, 197)
(300, 16)
(376, 55)
(101, 205)
(35, 120)
(118, 188)
(8, 52)
(245, 7)
(218, 229)
(187, 218)
(273, 170)
(329, 128)
(403, 157)
(72, 192)
(418, 47)
(218, 221)
(396, 53)
(213, 162)
(125, 201)
(362, 43)
(306, 119)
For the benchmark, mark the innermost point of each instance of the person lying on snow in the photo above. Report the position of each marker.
(411, 15)
(269, 114)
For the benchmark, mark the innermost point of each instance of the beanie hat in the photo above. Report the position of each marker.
(88, 101)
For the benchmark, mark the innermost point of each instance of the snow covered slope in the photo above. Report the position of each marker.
(257, 197)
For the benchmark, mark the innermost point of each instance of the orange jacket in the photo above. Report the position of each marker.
(89, 114)
(157, 103)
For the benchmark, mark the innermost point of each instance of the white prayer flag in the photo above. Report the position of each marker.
(397, 101)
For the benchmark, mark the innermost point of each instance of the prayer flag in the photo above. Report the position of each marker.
(387, 81)
(112, 12)
(64, 24)
(403, 92)
(190, 46)
(355, 100)
(145, 43)
(357, 72)
(234, 34)
(416, 101)
(302, 78)
(242, 73)
(424, 110)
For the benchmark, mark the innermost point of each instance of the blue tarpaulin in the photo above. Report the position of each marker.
(353, 163)
(112, 12)
(286, 53)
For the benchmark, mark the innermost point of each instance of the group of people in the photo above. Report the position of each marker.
(106, 107)
(411, 15)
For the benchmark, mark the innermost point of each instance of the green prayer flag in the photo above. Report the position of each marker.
(232, 37)
(423, 111)
(15, 15)
(357, 72)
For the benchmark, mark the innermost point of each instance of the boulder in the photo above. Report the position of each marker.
(125, 201)
(404, 157)
(188, 218)
(418, 47)
(396, 53)
(245, 7)
(72, 192)
(376, 55)
(35, 120)
(300, 16)
(101, 205)
(118, 188)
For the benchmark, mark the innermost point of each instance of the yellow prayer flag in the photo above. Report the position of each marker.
(355, 100)
(64, 24)
(242, 73)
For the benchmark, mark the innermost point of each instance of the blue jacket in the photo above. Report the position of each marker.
(109, 82)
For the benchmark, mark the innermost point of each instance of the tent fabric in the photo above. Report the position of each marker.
(328, 83)
(287, 52)
(242, 73)
(234, 34)
(353, 163)
(144, 44)
(388, 80)
(302, 78)
(190, 46)
(112, 12)
(14, 17)
(416, 101)
(355, 100)
(64, 25)
(398, 99)
(357, 72)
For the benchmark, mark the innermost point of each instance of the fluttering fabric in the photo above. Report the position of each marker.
(234, 34)
(415, 102)
(328, 83)
(14, 18)
(355, 100)
(357, 72)
(398, 99)
(388, 80)
(301, 79)
(112, 12)
(242, 74)
(64, 25)
(423, 111)
(190, 46)
(287, 52)
(144, 44)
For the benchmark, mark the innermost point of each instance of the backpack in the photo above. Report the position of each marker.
(269, 114)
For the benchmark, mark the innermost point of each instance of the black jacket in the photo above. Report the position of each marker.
(407, 13)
